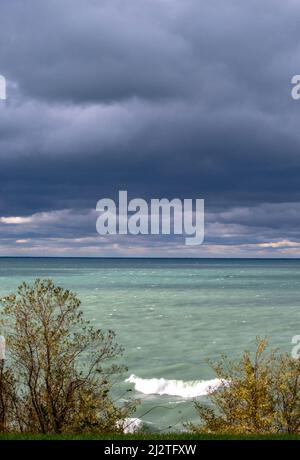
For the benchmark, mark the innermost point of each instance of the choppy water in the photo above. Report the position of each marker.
(172, 315)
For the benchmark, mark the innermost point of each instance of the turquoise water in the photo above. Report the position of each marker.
(171, 315)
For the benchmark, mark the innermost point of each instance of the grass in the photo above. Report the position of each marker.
(141, 437)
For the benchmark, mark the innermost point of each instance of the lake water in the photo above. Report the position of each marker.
(171, 315)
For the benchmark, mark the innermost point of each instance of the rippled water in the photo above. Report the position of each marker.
(172, 315)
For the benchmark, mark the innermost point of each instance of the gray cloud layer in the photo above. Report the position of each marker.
(162, 98)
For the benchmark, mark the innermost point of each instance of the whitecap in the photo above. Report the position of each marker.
(131, 425)
(184, 389)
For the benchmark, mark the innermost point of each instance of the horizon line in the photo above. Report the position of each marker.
(148, 258)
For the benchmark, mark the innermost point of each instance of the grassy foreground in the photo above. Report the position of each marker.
(147, 437)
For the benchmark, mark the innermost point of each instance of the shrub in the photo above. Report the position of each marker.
(59, 371)
(258, 394)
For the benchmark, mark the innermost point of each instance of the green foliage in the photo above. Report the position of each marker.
(59, 371)
(259, 394)
(147, 437)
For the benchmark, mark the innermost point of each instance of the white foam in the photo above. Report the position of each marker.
(131, 425)
(184, 389)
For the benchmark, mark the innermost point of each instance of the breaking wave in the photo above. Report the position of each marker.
(130, 425)
(184, 389)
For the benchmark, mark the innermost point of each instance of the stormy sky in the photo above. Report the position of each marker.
(163, 98)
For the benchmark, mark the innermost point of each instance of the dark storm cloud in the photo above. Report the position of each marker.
(85, 50)
(55, 157)
(95, 50)
(161, 98)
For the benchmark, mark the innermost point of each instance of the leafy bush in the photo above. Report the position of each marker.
(59, 371)
(259, 394)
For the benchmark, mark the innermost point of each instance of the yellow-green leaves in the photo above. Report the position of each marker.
(57, 376)
(263, 395)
